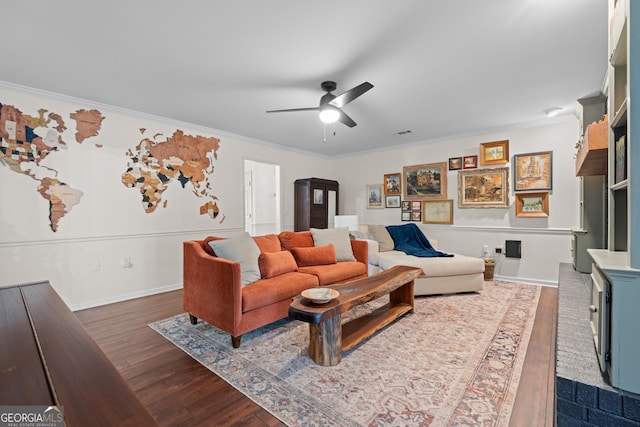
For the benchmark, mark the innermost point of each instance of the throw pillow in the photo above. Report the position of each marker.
(295, 239)
(338, 237)
(380, 234)
(268, 243)
(315, 255)
(242, 249)
(273, 264)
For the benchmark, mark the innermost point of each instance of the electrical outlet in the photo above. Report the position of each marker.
(498, 250)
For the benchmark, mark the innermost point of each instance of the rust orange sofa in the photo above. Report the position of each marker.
(213, 289)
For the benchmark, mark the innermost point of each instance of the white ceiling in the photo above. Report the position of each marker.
(440, 68)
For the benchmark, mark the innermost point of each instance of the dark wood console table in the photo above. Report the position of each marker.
(328, 338)
(48, 358)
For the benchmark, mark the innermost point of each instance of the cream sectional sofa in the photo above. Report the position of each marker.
(442, 275)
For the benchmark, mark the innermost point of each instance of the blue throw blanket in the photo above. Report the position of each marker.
(409, 239)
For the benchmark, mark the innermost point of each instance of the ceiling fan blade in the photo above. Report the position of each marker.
(345, 98)
(295, 109)
(344, 118)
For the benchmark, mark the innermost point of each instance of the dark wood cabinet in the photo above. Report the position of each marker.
(315, 203)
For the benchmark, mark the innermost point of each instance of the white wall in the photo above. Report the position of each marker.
(84, 260)
(545, 241)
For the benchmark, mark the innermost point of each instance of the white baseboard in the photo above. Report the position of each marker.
(125, 297)
(529, 281)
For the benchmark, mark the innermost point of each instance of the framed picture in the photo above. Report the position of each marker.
(416, 216)
(437, 212)
(469, 162)
(406, 205)
(392, 183)
(620, 165)
(494, 153)
(318, 196)
(483, 188)
(374, 196)
(455, 163)
(416, 206)
(532, 205)
(427, 181)
(392, 201)
(406, 216)
(532, 171)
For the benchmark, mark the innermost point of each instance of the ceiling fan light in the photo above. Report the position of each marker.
(329, 115)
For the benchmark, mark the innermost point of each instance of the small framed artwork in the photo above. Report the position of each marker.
(483, 188)
(494, 153)
(620, 165)
(392, 201)
(532, 171)
(374, 196)
(406, 216)
(437, 212)
(416, 216)
(533, 205)
(392, 183)
(406, 205)
(416, 205)
(318, 196)
(469, 162)
(455, 163)
(428, 181)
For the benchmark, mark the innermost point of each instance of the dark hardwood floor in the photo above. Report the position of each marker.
(178, 391)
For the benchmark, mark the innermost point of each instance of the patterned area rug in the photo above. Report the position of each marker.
(455, 361)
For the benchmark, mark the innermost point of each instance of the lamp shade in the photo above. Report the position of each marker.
(349, 221)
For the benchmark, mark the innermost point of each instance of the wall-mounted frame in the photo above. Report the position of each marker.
(494, 153)
(406, 216)
(483, 188)
(406, 205)
(428, 181)
(392, 201)
(416, 206)
(374, 196)
(416, 216)
(455, 163)
(533, 205)
(437, 212)
(532, 171)
(393, 183)
(469, 162)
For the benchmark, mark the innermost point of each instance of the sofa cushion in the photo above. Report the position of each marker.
(335, 273)
(241, 249)
(295, 239)
(207, 247)
(268, 243)
(338, 237)
(315, 255)
(276, 263)
(265, 292)
(434, 266)
(380, 234)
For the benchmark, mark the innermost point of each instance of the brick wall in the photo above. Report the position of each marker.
(584, 405)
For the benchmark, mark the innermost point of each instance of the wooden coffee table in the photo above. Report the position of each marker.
(328, 338)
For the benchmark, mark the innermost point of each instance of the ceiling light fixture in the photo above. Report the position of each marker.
(329, 114)
(550, 112)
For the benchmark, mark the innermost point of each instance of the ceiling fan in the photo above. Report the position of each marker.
(331, 105)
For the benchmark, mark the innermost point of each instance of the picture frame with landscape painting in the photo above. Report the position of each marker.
(426, 181)
(533, 171)
(483, 188)
(494, 153)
